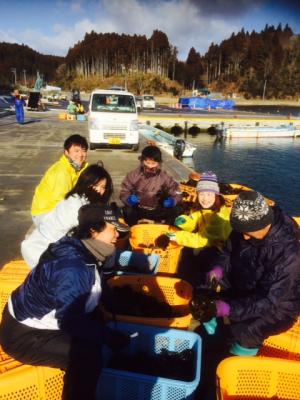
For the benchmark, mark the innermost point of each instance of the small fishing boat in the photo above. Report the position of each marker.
(288, 130)
(167, 142)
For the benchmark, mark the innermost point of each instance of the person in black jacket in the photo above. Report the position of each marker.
(259, 275)
(259, 272)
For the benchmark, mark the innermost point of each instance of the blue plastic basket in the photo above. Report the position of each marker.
(122, 385)
(81, 117)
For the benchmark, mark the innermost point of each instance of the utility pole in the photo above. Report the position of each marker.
(14, 71)
(264, 90)
(24, 72)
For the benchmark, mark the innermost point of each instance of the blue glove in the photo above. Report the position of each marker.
(169, 202)
(133, 200)
(238, 350)
(210, 326)
(180, 220)
(171, 235)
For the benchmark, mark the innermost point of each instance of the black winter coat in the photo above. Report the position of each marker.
(262, 278)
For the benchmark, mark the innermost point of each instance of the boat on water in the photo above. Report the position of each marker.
(288, 130)
(167, 142)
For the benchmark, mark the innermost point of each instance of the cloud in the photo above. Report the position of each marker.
(187, 23)
(181, 20)
(223, 8)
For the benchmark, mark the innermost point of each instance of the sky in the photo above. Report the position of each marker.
(54, 26)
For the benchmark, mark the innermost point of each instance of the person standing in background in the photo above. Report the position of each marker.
(19, 107)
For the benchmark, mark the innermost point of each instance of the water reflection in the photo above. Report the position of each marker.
(269, 165)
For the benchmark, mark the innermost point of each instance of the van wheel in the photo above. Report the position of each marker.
(135, 147)
(93, 146)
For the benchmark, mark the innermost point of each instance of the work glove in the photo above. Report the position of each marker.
(180, 220)
(169, 202)
(237, 350)
(210, 326)
(222, 308)
(133, 200)
(116, 340)
(216, 273)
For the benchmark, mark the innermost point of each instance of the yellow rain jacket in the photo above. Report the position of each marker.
(205, 228)
(58, 180)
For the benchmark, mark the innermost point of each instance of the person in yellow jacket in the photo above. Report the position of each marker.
(205, 230)
(60, 178)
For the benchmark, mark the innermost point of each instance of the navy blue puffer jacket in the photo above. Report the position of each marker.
(262, 278)
(59, 289)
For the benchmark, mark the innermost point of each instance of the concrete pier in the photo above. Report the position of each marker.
(28, 150)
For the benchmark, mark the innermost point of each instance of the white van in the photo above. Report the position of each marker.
(113, 120)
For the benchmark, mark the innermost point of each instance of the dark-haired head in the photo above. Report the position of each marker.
(85, 231)
(152, 153)
(87, 182)
(76, 140)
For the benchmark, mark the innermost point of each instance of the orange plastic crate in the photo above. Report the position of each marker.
(175, 292)
(11, 276)
(258, 378)
(229, 198)
(142, 239)
(26, 382)
(191, 192)
(62, 115)
(297, 219)
(14, 270)
(71, 117)
(285, 345)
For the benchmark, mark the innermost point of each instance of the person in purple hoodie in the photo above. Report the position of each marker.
(148, 192)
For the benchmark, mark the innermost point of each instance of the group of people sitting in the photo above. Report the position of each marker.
(75, 107)
(250, 251)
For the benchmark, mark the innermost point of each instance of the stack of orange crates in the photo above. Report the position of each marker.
(19, 381)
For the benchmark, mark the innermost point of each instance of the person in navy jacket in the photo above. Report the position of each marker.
(51, 319)
(259, 276)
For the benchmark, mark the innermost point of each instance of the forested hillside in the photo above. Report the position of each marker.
(265, 64)
(25, 62)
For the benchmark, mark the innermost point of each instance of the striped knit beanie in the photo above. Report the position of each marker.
(208, 183)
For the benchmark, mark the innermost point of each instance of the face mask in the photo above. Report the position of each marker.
(76, 166)
(148, 172)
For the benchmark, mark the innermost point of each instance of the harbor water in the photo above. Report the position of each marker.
(269, 165)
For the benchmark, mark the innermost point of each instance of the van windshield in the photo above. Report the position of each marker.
(119, 103)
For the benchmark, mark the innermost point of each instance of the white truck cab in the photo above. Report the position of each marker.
(113, 120)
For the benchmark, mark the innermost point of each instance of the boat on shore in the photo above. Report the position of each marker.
(167, 142)
(288, 130)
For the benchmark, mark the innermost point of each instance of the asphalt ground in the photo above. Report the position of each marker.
(25, 154)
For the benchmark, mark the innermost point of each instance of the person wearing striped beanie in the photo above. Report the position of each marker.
(205, 230)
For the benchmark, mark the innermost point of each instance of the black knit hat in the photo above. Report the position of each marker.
(250, 212)
(152, 152)
(90, 214)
